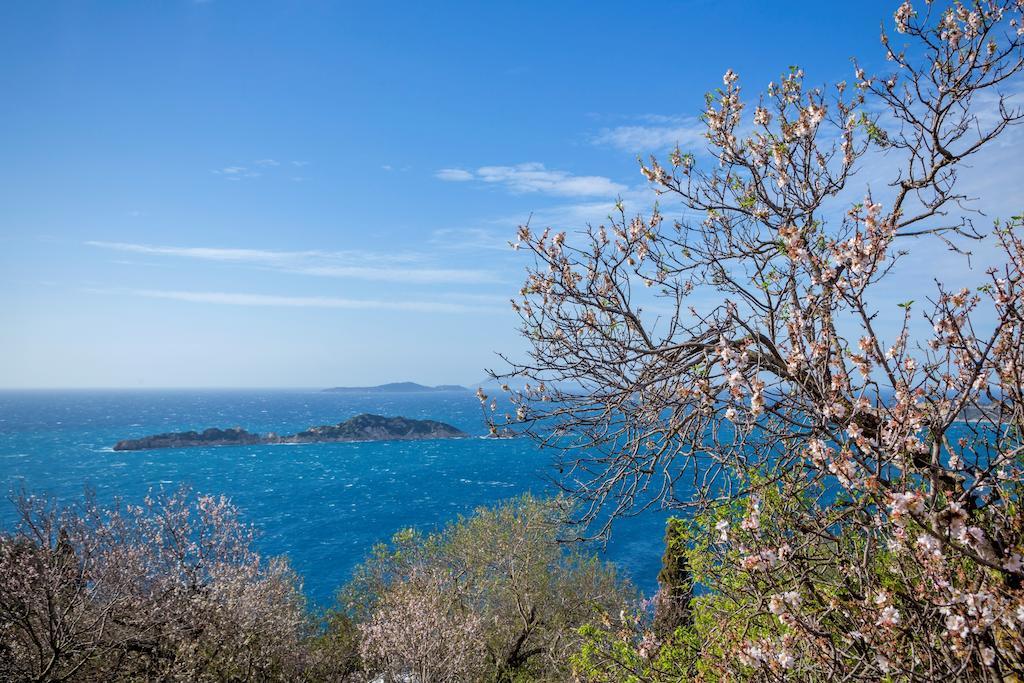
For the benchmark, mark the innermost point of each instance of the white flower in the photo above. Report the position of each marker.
(902, 17)
(722, 527)
(725, 352)
(752, 655)
(930, 545)
(957, 625)
(762, 560)
(756, 402)
(890, 617)
(752, 522)
(818, 451)
(648, 646)
(1013, 564)
(783, 602)
(903, 503)
(988, 656)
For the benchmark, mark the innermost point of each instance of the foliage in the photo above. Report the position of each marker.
(675, 582)
(493, 596)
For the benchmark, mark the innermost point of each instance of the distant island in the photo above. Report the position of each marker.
(363, 427)
(979, 413)
(396, 388)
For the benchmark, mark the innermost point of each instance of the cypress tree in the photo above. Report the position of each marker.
(675, 583)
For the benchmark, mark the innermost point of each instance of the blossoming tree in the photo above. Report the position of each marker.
(167, 590)
(491, 597)
(854, 496)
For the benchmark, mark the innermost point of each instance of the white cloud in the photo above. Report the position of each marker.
(418, 276)
(657, 134)
(209, 253)
(495, 234)
(340, 264)
(473, 238)
(534, 177)
(252, 170)
(236, 172)
(454, 174)
(279, 301)
(639, 199)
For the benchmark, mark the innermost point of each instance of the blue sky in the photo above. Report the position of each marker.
(316, 193)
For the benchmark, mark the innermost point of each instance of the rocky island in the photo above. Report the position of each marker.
(396, 388)
(209, 437)
(363, 427)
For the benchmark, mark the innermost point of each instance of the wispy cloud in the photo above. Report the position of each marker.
(653, 134)
(280, 301)
(256, 169)
(473, 238)
(639, 199)
(497, 233)
(535, 177)
(236, 172)
(356, 265)
(454, 175)
(418, 276)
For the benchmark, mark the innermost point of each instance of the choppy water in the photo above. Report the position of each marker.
(322, 505)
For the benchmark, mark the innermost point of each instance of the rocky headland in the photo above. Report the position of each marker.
(363, 427)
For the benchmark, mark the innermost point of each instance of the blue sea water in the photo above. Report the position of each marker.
(322, 505)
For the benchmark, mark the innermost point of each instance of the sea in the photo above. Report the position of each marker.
(324, 506)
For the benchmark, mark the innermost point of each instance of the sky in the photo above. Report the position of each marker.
(305, 194)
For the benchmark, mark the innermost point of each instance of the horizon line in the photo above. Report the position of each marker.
(223, 388)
